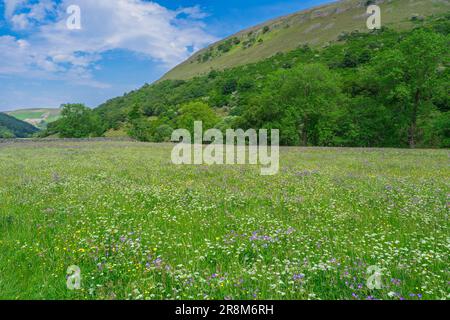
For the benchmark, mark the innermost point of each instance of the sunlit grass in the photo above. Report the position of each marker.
(140, 227)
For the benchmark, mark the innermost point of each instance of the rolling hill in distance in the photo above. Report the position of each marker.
(38, 117)
(10, 127)
(316, 27)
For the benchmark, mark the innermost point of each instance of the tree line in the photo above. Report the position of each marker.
(378, 89)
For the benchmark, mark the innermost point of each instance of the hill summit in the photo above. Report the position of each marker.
(316, 27)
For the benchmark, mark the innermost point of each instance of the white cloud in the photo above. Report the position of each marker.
(11, 6)
(194, 12)
(14, 55)
(34, 13)
(51, 50)
(20, 21)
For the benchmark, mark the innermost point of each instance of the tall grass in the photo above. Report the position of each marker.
(140, 227)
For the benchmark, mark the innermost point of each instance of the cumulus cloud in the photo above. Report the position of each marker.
(13, 54)
(50, 49)
(11, 5)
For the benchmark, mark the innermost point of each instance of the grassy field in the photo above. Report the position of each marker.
(140, 227)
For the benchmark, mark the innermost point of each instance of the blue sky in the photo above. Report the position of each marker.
(121, 45)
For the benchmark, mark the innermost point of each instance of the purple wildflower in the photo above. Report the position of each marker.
(298, 277)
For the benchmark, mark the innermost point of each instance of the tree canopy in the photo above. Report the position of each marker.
(77, 121)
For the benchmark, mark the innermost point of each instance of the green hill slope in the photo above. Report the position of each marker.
(370, 107)
(11, 127)
(39, 118)
(315, 27)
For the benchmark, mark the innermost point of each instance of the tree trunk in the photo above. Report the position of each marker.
(413, 127)
(305, 132)
(302, 132)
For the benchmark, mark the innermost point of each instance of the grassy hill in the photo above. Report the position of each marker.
(39, 118)
(316, 27)
(11, 127)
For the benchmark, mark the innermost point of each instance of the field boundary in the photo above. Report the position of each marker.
(26, 140)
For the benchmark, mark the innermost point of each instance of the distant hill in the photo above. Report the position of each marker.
(39, 118)
(11, 127)
(316, 27)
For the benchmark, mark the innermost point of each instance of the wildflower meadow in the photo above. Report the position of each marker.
(140, 227)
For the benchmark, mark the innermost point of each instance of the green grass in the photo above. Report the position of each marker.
(28, 115)
(316, 27)
(140, 227)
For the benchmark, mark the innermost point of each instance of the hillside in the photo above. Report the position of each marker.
(11, 127)
(39, 117)
(386, 88)
(350, 96)
(316, 27)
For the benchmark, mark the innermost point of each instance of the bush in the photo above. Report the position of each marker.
(196, 111)
(5, 133)
(78, 121)
(163, 133)
(140, 129)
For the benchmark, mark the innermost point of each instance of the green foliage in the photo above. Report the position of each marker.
(196, 111)
(229, 122)
(301, 99)
(436, 130)
(229, 86)
(140, 129)
(226, 46)
(163, 133)
(77, 121)
(218, 51)
(5, 133)
(379, 89)
(159, 129)
(405, 77)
